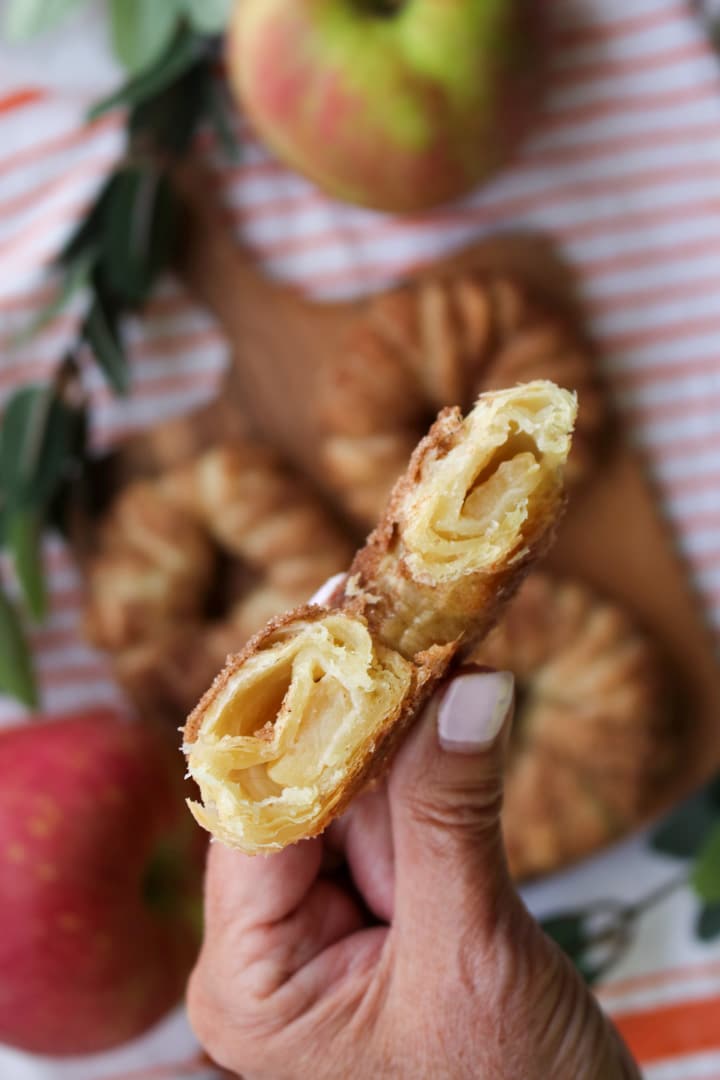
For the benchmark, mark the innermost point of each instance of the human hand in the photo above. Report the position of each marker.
(425, 964)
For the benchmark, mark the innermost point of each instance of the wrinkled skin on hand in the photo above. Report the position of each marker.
(420, 962)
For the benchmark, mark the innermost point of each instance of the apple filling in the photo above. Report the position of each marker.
(282, 733)
(470, 507)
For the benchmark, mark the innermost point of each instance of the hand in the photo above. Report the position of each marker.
(425, 964)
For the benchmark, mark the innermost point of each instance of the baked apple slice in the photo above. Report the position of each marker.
(312, 708)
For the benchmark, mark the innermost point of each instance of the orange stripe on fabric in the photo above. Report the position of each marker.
(69, 140)
(705, 560)
(635, 182)
(175, 304)
(688, 207)
(664, 292)
(20, 99)
(26, 301)
(671, 1030)
(654, 979)
(48, 640)
(532, 155)
(584, 71)
(610, 146)
(670, 449)
(701, 519)
(619, 26)
(677, 408)
(162, 347)
(604, 265)
(599, 226)
(56, 217)
(620, 105)
(371, 273)
(667, 331)
(75, 675)
(691, 485)
(161, 386)
(661, 372)
(26, 199)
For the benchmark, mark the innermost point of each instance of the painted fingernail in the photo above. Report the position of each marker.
(473, 710)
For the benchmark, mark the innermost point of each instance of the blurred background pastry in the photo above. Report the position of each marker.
(596, 735)
(442, 341)
(190, 564)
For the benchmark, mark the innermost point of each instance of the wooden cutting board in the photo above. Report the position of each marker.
(613, 535)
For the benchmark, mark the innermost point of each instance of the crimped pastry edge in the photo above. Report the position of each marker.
(355, 599)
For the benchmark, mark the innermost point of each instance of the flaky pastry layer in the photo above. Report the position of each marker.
(313, 707)
(287, 730)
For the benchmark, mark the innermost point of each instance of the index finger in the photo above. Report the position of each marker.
(252, 890)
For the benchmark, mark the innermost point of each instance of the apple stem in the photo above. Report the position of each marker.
(384, 9)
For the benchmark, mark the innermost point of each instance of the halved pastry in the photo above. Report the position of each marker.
(298, 722)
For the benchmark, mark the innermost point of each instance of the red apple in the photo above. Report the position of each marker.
(396, 104)
(100, 870)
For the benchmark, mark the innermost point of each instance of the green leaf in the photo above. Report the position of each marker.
(35, 448)
(23, 437)
(208, 16)
(683, 833)
(593, 938)
(568, 931)
(142, 30)
(140, 234)
(16, 670)
(24, 541)
(184, 51)
(705, 878)
(25, 18)
(75, 278)
(708, 923)
(100, 331)
(713, 792)
(218, 107)
(169, 120)
(85, 241)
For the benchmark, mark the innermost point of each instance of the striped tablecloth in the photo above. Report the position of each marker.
(624, 171)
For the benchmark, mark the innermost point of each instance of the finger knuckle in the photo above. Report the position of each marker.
(472, 810)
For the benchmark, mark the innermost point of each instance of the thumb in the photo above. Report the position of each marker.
(445, 800)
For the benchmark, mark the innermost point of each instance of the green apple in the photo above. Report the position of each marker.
(395, 104)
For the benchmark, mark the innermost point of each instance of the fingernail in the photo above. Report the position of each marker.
(325, 591)
(473, 711)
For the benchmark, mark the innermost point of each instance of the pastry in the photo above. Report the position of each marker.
(594, 738)
(190, 564)
(437, 342)
(313, 707)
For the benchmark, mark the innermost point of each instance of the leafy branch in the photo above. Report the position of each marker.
(596, 937)
(140, 30)
(114, 258)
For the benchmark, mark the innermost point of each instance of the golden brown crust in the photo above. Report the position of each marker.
(426, 674)
(315, 705)
(383, 588)
(233, 527)
(595, 738)
(437, 342)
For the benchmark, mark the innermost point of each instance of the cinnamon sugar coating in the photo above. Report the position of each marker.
(340, 684)
(595, 737)
(234, 529)
(438, 342)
